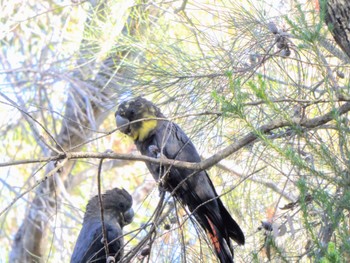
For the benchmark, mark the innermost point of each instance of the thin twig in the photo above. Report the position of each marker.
(181, 8)
(214, 159)
(104, 233)
(265, 182)
(38, 182)
(30, 119)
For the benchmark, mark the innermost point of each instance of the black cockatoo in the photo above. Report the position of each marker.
(154, 135)
(117, 213)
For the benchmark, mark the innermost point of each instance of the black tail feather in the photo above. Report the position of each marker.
(234, 231)
(222, 250)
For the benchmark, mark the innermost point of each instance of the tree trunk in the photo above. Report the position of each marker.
(85, 107)
(338, 21)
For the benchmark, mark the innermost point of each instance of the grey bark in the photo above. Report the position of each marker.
(337, 17)
(85, 110)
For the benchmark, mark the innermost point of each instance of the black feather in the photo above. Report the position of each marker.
(117, 213)
(193, 189)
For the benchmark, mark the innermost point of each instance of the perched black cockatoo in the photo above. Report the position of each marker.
(154, 136)
(117, 213)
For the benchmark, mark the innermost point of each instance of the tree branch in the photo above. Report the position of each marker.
(205, 164)
(209, 162)
(100, 201)
(265, 182)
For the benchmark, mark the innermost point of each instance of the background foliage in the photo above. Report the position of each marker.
(266, 79)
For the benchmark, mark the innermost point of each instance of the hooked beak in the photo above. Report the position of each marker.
(123, 124)
(128, 216)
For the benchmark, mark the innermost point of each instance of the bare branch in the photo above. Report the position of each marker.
(31, 122)
(47, 176)
(214, 159)
(100, 201)
(265, 182)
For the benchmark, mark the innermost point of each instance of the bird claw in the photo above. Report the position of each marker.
(161, 188)
(155, 153)
(154, 150)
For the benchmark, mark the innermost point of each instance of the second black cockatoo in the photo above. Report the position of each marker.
(117, 213)
(154, 135)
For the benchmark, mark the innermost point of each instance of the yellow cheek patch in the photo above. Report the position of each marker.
(146, 128)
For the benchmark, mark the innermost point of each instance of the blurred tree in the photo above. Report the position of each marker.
(88, 98)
